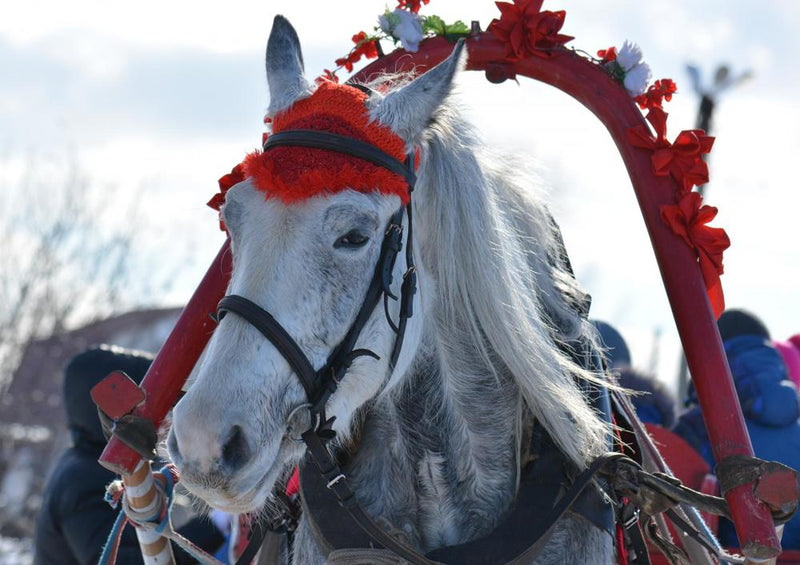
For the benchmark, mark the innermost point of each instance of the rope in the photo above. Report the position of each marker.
(156, 519)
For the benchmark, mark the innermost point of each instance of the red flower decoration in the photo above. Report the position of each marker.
(657, 92)
(413, 5)
(683, 159)
(365, 46)
(688, 220)
(607, 55)
(527, 30)
(327, 76)
(225, 183)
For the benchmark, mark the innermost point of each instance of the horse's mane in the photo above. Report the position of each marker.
(505, 288)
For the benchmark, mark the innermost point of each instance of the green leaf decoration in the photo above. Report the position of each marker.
(436, 26)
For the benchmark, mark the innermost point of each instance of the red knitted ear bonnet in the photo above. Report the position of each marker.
(296, 173)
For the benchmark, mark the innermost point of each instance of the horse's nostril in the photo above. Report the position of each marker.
(236, 451)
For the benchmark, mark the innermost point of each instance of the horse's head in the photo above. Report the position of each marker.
(309, 236)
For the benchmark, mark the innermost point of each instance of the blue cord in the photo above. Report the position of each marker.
(113, 538)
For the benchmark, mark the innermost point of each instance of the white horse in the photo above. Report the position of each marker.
(436, 442)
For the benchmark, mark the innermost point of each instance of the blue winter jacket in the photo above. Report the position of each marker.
(770, 406)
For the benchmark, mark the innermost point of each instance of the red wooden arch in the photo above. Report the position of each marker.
(591, 86)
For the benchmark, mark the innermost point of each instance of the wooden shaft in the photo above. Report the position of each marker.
(175, 359)
(143, 496)
(594, 88)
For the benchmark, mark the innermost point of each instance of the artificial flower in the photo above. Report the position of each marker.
(413, 5)
(636, 73)
(607, 55)
(366, 46)
(688, 220)
(636, 79)
(327, 76)
(403, 26)
(629, 56)
(654, 97)
(527, 30)
(225, 183)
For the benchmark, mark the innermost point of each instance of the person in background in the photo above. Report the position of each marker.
(655, 404)
(769, 403)
(791, 357)
(616, 351)
(74, 521)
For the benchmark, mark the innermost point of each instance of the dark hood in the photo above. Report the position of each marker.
(83, 372)
(657, 405)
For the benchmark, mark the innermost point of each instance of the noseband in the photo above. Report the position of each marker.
(320, 384)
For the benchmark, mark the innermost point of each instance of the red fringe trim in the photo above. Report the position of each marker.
(293, 174)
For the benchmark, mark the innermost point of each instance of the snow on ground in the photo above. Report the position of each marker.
(15, 552)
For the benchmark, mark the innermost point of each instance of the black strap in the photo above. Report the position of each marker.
(319, 385)
(528, 538)
(337, 483)
(257, 535)
(276, 334)
(341, 144)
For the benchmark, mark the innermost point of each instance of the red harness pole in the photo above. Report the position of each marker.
(164, 380)
(592, 87)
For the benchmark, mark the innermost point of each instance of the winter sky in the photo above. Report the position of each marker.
(159, 99)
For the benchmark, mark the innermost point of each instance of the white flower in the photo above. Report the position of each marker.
(629, 56)
(637, 72)
(637, 78)
(404, 26)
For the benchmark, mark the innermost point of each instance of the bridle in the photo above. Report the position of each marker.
(320, 384)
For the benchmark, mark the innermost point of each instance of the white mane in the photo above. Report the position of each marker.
(502, 283)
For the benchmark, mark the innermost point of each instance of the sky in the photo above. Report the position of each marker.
(156, 100)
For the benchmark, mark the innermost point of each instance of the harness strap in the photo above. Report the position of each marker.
(341, 144)
(520, 537)
(275, 333)
(319, 385)
(339, 485)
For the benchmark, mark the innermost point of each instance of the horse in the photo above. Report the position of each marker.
(434, 431)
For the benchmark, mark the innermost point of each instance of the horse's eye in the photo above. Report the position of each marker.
(351, 240)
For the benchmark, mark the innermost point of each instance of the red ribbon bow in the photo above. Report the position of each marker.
(683, 159)
(688, 220)
(527, 30)
(225, 183)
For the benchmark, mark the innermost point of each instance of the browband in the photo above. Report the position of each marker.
(341, 144)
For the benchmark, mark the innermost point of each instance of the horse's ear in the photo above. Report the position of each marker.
(408, 110)
(284, 66)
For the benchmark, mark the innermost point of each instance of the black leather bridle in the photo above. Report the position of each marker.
(320, 384)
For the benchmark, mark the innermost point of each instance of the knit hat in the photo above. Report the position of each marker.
(294, 174)
(617, 352)
(733, 323)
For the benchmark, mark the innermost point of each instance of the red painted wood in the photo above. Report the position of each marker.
(117, 395)
(592, 87)
(163, 382)
(685, 289)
